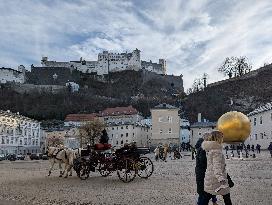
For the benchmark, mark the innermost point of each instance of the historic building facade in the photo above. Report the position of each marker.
(19, 134)
(110, 62)
(121, 115)
(123, 125)
(261, 126)
(120, 134)
(198, 129)
(165, 125)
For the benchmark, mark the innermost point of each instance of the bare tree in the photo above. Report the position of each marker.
(90, 132)
(55, 141)
(198, 84)
(235, 66)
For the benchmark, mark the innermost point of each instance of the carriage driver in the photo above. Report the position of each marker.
(104, 139)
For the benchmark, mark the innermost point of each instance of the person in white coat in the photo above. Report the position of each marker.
(216, 181)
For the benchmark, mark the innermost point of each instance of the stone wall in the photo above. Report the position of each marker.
(28, 88)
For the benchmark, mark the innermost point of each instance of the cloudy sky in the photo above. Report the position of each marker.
(193, 36)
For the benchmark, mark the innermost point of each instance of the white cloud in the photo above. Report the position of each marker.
(194, 36)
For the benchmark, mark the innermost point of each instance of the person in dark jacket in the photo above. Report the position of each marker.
(270, 148)
(104, 139)
(200, 169)
(258, 148)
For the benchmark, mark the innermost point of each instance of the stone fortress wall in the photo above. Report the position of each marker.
(11, 75)
(111, 62)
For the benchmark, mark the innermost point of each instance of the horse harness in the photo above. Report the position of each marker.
(55, 155)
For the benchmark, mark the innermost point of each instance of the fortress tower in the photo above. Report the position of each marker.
(163, 63)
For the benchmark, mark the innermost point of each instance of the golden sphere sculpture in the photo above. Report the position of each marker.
(235, 126)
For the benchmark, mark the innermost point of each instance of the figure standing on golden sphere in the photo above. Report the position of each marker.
(235, 126)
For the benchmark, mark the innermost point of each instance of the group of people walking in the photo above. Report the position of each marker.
(162, 152)
(211, 176)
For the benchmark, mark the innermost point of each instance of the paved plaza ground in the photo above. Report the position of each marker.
(173, 182)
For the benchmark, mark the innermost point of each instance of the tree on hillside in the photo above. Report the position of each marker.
(198, 84)
(90, 132)
(235, 66)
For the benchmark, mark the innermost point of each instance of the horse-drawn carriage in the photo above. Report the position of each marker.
(127, 162)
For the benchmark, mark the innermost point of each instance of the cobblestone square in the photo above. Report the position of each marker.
(173, 182)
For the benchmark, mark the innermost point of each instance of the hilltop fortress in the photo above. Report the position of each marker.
(110, 62)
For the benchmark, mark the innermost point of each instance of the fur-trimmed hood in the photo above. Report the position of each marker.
(211, 145)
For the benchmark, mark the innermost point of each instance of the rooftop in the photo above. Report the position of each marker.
(11, 69)
(203, 124)
(8, 113)
(261, 109)
(165, 106)
(81, 117)
(119, 111)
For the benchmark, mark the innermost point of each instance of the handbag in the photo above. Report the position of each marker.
(230, 182)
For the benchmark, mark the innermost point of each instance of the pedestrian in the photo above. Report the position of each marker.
(232, 154)
(238, 150)
(227, 149)
(161, 152)
(252, 148)
(157, 153)
(177, 154)
(193, 150)
(216, 180)
(270, 148)
(258, 148)
(248, 147)
(165, 151)
(200, 169)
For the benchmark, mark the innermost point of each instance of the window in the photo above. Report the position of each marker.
(122, 142)
(199, 133)
(126, 127)
(126, 134)
(170, 119)
(121, 128)
(116, 142)
(121, 135)
(113, 128)
(170, 131)
(261, 135)
(133, 134)
(160, 131)
(255, 121)
(261, 120)
(256, 136)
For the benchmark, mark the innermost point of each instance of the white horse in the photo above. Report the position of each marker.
(61, 156)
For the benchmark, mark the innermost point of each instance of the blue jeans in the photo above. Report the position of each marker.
(201, 199)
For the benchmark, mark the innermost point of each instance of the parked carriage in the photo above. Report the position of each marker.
(127, 162)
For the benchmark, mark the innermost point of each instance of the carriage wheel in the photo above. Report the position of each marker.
(126, 170)
(104, 169)
(84, 172)
(144, 167)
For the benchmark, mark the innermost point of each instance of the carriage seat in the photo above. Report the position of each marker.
(101, 146)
